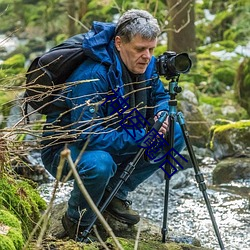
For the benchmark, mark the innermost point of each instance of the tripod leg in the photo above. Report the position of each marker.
(167, 167)
(199, 176)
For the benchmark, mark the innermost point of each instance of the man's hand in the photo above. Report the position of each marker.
(165, 126)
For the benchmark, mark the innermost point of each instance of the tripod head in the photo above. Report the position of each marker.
(174, 89)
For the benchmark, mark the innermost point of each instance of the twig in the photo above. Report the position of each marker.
(99, 238)
(137, 236)
(66, 154)
(45, 217)
(77, 21)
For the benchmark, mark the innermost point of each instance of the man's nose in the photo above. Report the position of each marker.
(146, 54)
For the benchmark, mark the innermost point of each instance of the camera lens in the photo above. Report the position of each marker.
(182, 63)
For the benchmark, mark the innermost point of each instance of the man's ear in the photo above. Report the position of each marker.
(118, 42)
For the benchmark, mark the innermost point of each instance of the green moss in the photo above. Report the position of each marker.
(236, 125)
(21, 199)
(220, 132)
(9, 219)
(6, 243)
(16, 61)
(128, 244)
(214, 101)
(225, 75)
(13, 239)
(16, 237)
(242, 84)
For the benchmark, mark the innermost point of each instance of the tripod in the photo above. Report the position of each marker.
(173, 90)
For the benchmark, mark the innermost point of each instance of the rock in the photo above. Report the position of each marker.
(181, 179)
(231, 169)
(231, 139)
(197, 125)
(188, 95)
(149, 238)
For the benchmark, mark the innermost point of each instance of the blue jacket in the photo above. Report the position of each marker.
(87, 118)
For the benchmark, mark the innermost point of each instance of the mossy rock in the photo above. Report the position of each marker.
(11, 237)
(231, 139)
(22, 200)
(128, 244)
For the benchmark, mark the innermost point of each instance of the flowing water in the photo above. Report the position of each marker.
(187, 211)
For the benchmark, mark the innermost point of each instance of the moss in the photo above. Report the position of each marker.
(221, 132)
(13, 239)
(9, 219)
(6, 243)
(128, 244)
(225, 75)
(214, 101)
(21, 199)
(235, 125)
(16, 61)
(16, 237)
(242, 84)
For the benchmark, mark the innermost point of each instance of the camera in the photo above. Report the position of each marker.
(171, 65)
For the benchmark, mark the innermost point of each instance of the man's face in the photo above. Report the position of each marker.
(137, 53)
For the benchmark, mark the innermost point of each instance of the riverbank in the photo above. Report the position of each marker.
(188, 216)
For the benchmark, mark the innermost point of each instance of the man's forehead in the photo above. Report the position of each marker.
(140, 41)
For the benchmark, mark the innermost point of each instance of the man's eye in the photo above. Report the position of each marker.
(139, 50)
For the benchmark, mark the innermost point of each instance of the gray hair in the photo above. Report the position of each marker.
(137, 22)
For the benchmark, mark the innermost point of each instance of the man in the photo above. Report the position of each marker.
(123, 79)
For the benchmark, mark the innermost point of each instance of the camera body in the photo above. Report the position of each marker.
(171, 65)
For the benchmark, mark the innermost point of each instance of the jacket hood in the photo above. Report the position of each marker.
(98, 43)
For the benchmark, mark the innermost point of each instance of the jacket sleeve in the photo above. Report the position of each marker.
(89, 118)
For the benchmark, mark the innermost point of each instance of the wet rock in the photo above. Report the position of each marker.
(231, 169)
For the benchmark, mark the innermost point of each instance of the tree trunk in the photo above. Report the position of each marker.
(71, 6)
(181, 27)
(83, 7)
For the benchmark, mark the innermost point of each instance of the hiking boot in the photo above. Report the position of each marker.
(75, 231)
(121, 211)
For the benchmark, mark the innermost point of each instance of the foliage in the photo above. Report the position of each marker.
(242, 84)
(228, 23)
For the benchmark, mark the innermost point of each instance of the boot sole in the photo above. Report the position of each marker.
(121, 219)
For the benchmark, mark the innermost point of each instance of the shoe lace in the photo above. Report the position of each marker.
(127, 203)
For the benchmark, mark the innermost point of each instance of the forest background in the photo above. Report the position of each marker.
(214, 33)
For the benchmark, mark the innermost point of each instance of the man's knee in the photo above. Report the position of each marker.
(97, 165)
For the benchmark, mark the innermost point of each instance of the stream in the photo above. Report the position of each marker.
(187, 212)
